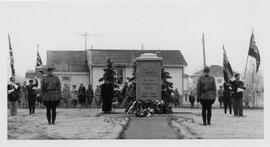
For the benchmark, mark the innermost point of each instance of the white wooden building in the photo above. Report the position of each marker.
(75, 67)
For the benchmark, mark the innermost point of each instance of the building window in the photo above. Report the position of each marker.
(119, 75)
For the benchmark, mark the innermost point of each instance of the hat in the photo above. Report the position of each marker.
(50, 66)
(206, 69)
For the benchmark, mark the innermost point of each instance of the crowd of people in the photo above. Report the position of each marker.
(51, 95)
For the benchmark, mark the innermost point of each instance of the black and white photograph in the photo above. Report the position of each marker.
(154, 70)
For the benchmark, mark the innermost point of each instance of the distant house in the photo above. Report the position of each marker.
(75, 67)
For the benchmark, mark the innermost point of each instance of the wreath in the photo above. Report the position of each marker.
(145, 108)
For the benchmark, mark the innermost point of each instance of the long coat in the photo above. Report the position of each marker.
(206, 88)
(31, 93)
(51, 88)
(227, 92)
(106, 96)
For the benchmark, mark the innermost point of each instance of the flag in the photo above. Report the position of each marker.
(227, 69)
(11, 57)
(254, 51)
(39, 62)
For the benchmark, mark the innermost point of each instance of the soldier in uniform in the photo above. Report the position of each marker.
(237, 95)
(206, 93)
(51, 93)
(220, 96)
(13, 96)
(31, 89)
(227, 97)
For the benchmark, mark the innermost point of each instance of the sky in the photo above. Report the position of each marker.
(157, 24)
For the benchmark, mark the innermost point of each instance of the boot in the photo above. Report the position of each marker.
(49, 118)
(209, 114)
(204, 117)
(53, 117)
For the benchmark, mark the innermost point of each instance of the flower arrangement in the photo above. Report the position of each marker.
(145, 108)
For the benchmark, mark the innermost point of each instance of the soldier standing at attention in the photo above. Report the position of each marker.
(227, 97)
(206, 93)
(51, 92)
(237, 95)
(31, 89)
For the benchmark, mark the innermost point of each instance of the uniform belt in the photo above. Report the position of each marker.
(51, 90)
(207, 90)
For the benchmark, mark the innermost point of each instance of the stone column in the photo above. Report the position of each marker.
(148, 78)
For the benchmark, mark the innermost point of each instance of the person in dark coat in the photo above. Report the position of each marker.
(51, 93)
(123, 93)
(81, 95)
(237, 95)
(206, 93)
(13, 96)
(31, 90)
(227, 97)
(191, 99)
(106, 96)
(89, 95)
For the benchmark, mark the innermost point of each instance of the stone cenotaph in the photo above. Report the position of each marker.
(148, 77)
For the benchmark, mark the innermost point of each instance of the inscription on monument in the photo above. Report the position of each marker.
(148, 78)
(149, 87)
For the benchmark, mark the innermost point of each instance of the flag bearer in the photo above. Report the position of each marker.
(13, 96)
(237, 95)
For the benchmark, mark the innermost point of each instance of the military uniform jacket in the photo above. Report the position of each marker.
(227, 92)
(13, 96)
(206, 88)
(235, 85)
(51, 88)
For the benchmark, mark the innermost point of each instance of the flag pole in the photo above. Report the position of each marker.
(253, 84)
(246, 68)
(204, 63)
(11, 58)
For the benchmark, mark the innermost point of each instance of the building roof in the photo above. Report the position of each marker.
(68, 61)
(74, 61)
(124, 57)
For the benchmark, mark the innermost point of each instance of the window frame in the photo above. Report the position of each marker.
(117, 75)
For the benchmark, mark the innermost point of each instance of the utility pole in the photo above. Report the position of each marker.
(142, 47)
(203, 42)
(86, 35)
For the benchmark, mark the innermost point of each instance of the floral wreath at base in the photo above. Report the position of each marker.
(145, 108)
